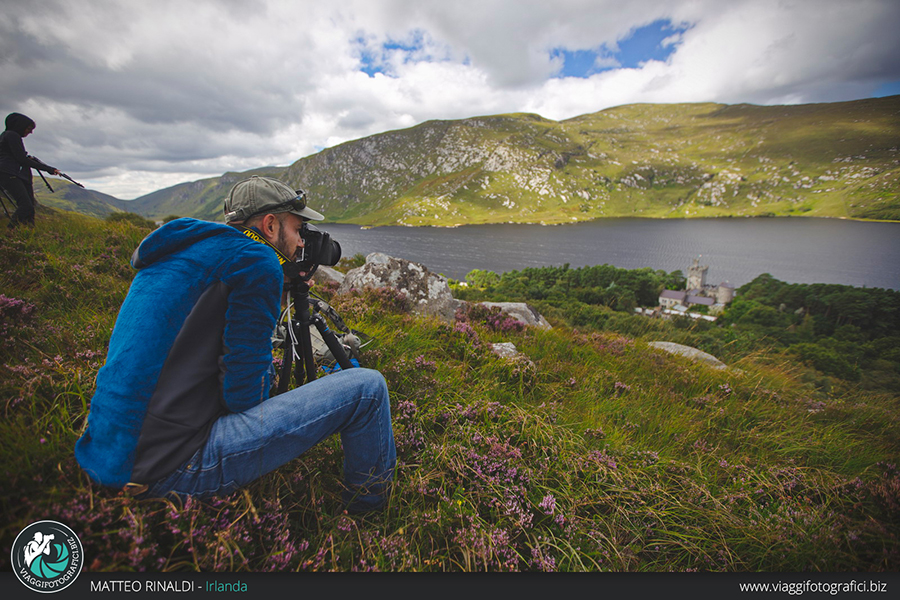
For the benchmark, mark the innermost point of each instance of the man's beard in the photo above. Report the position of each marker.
(282, 244)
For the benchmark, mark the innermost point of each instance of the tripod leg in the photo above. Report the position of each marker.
(332, 342)
(284, 378)
(305, 369)
(306, 353)
(8, 216)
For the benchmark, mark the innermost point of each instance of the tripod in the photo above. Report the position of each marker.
(5, 194)
(298, 337)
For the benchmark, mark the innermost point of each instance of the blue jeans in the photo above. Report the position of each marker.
(244, 446)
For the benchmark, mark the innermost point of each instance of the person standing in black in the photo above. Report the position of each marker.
(16, 165)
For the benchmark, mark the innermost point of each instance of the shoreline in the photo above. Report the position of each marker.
(611, 218)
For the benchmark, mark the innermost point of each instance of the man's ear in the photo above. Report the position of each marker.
(269, 227)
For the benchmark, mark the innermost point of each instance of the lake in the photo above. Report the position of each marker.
(795, 250)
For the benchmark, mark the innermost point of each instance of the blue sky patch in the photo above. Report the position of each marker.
(642, 45)
(369, 67)
(580, 63)
(377, 59)
(887, 89)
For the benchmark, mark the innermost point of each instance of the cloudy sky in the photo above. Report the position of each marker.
(131, 96)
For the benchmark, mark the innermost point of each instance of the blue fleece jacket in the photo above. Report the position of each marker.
(192, 342)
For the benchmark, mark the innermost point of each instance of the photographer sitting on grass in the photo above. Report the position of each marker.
(182, 404)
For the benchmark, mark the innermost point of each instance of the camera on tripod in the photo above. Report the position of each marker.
(318, 249)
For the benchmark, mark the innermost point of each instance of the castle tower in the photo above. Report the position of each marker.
(697, 275)
(725, 293)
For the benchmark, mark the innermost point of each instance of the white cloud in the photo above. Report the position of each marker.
(133, 96)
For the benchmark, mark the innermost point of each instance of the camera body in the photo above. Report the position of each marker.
(318, 249)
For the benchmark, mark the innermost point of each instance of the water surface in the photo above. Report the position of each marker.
(796, 250)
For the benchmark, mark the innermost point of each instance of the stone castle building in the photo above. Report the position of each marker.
(698, 292)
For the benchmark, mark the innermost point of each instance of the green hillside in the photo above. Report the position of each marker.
(68, 196)
(648, 160)
(664, 160)
(593, 452)
(201, 199)
(714, 160)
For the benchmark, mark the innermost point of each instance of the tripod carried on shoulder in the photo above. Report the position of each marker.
(297, 340)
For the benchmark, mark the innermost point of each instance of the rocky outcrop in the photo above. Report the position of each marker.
(508, 351)
(328, 275)
(521, 312)
(428, 292)
(691, 353)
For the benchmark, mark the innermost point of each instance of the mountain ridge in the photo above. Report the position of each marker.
(645, 160)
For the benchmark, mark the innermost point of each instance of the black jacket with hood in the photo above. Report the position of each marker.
(13, 158)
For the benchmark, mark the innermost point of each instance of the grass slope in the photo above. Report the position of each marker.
(595, 453)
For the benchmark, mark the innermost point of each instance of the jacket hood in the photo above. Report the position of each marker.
(18, 122)
(172, 237)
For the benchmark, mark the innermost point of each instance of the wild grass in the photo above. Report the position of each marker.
(593, 452)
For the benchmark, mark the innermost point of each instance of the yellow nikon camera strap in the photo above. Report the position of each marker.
(290, 268)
